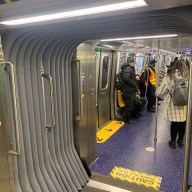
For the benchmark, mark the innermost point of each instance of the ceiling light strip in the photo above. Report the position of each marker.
(141, 37)
(75, 13)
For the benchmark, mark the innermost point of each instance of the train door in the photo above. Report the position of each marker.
(104, 87)
(6, 166)
(84, 101)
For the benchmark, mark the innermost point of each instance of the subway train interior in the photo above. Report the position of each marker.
(61, 122)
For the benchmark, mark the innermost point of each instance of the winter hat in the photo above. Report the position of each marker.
(152, 61)
(131, 58)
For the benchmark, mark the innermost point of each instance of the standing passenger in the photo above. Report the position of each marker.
(129, 88)
(175, 114)
(169, 67)
(150, 78)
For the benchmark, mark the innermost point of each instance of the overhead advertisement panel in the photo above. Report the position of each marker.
(7, 1)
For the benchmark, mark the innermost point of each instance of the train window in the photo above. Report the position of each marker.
(139, 62)
(105, 72)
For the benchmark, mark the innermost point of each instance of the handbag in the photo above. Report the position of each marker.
(120, 99)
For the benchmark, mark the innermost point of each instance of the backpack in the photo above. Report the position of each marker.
(180, 92)
(118, 83)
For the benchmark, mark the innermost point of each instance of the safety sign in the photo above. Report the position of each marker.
(136, 177)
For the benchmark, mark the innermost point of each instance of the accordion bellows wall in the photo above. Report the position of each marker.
(48, 160)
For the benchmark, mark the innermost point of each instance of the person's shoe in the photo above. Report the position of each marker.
(129, 122)
(180, 143)
(119, 119)
(172, 144)
(135, 116)
(151, 110)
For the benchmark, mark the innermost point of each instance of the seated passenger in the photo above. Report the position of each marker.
(141, 84)
(139, 106)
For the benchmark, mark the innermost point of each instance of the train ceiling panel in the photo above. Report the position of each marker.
(27, 7)
(166, 4)
(46, 6)
(175, 45)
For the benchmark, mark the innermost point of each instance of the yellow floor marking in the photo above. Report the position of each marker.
(139, 178)
(108, 130)
(7, 1)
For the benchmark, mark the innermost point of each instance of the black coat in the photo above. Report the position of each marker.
(129, 79)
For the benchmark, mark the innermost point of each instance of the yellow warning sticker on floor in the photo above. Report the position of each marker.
(136, 177)
(108, 130)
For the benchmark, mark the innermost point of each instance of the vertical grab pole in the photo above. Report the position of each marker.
(157, 85)
(188, 137)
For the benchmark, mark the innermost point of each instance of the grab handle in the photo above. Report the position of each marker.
(17, 150)
(80, 91)
(47, 76)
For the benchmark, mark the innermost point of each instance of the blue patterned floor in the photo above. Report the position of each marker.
(127, 147)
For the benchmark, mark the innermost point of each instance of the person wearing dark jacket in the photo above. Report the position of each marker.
(129, 87)
(169, 67)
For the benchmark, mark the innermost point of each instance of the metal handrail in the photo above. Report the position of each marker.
(47, 76)
(80, 91)
(17, 150)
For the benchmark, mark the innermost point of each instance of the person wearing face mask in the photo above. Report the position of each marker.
(129, 87)
(150, 81)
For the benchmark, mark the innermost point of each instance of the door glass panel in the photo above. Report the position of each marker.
(139, 66)
(105, 72)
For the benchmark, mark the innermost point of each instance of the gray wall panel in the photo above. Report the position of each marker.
(40, 130)
(12, 56)
(52, 172)
(30, 89)
(62, 116)
(5, 184)
(51, 133)
(22, 74)
(53, 69)
(48, 160)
